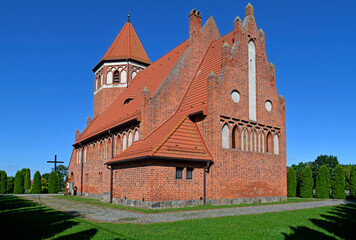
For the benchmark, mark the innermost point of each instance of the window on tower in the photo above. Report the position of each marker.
(116, 77)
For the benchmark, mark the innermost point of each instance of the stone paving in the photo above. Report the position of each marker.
(105, 214)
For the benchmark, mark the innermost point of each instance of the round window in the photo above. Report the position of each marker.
(235, 95)
(268, 105)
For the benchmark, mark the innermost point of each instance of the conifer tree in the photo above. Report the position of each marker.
(338, 183)
(291, 182)
(353, 182)
(10, 184)
(306, 184)
(36, 186)
(3, 182)
(27, 179)
(18, 188)
(322, 188)
(53, 182)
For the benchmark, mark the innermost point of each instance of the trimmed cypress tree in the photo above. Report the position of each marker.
(27, 179)
(306, 183)
(322, 188)
(3, 182)
(291, 182)
(19, 189)
(338, 183)
(53, 182)
(10, 184)
(36, 186)
(353, 182)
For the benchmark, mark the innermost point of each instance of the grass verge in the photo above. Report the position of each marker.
(200, 207)
(22, 219)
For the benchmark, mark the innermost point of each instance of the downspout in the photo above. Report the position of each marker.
(81, 171)
(111, 170)
(206, 170)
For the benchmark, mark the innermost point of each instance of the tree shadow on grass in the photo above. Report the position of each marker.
(340, 221)
(87, 234)
(23, 219)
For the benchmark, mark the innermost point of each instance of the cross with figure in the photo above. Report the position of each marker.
(55, 162)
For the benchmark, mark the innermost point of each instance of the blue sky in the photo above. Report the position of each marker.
(48, 49)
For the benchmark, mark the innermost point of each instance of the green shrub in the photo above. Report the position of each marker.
(44, 185)
(306, 184)
(27, 179)
(53, 186)
(19, 189)
(36, 186)
(338, 183)
(322, 188)
(10, 184)
(3, 182)
(353, 182)
(291, 182)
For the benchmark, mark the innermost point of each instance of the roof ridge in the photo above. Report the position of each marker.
(169, 135)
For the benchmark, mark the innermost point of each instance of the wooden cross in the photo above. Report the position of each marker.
(55, 162)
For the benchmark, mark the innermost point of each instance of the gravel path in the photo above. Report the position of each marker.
(104, 214)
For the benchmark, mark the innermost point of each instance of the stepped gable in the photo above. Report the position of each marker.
(177, 138)
(182, 144)
(118, 112)
(126, 45)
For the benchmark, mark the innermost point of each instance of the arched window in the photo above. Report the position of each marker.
(244, 140)
(130, 139)
(276, 144)
(116, 77)
(252, 80)
(118, 145)
(109, 78)
(101, 79)
(123, 76)
(124, 142)
(109, 149)
(85, 154)
(254, 140)
(137, 136)
(269, 143)
(225, 137)
(235, 138)
(96, 84)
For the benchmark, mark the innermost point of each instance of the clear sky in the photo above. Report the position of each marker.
(48, 48)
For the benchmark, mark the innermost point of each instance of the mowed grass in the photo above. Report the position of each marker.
(200, 207)
(22, 219)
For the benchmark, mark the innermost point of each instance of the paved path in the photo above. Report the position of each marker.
(104, 214)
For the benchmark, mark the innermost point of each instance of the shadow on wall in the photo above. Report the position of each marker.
(22, 219)
(340, 221)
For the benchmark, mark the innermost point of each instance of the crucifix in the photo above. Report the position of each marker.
(55, 162)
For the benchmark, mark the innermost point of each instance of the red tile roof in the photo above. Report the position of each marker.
(126, 45)
(118, 112)
(177, 138)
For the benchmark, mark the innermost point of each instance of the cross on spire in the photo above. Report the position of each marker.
(55, 162)
(128, 15)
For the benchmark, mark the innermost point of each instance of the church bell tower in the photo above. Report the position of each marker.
(124, 59)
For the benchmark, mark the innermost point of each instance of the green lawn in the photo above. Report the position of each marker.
(208, 206)
(21, 219)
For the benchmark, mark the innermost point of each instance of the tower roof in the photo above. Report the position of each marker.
(126, 45)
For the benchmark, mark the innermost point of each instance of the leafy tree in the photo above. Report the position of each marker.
(62, 172)
(46, 176)
(44, 186)
(338, 183)
(291, 182)
(36, 186)
(27, 179)
(353, 182)
(306, 184)
(10, 184)
(19, 189)
(3, 182)
(322, 189)
(329, 160)
(53, 186)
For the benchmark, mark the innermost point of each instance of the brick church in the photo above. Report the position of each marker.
(202, 124)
